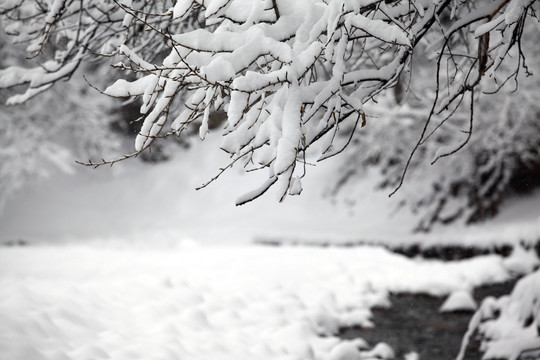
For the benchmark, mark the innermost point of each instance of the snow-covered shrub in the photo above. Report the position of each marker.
(291, 75)
(510, 325)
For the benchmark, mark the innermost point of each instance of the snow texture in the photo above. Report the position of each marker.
(197, 302)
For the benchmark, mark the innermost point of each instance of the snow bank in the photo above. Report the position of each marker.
(198, 302)
(460, 300)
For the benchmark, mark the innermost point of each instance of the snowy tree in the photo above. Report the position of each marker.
(501, 156)
(44, 134)
(296, 78)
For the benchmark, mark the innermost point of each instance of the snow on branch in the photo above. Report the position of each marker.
(289, 74)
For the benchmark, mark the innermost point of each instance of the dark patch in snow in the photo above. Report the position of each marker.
(452, 252)
(414, 323)
(537, 248)
(440, 252)
(530, 354)
(11, 243)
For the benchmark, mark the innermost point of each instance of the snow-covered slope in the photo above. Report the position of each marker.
(144, 203)
(135, 199)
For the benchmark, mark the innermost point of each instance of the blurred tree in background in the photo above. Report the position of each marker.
(47, 132)
(502, 156)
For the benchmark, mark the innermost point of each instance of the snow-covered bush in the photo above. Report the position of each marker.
(509, 326)
(291, 75)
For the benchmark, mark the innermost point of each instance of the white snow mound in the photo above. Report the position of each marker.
(460, 300)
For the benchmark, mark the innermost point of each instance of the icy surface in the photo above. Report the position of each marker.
(200, 302)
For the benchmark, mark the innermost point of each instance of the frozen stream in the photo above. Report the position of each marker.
(209, 302)
(414, 323)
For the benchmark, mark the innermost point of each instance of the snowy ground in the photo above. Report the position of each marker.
(208, 302)
(137, 200)
(159, 203)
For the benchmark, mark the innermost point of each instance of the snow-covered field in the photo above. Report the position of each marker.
(209, 302)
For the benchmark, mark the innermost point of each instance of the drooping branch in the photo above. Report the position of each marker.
(287, 86)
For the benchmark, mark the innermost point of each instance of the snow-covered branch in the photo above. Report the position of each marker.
(289, 74)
